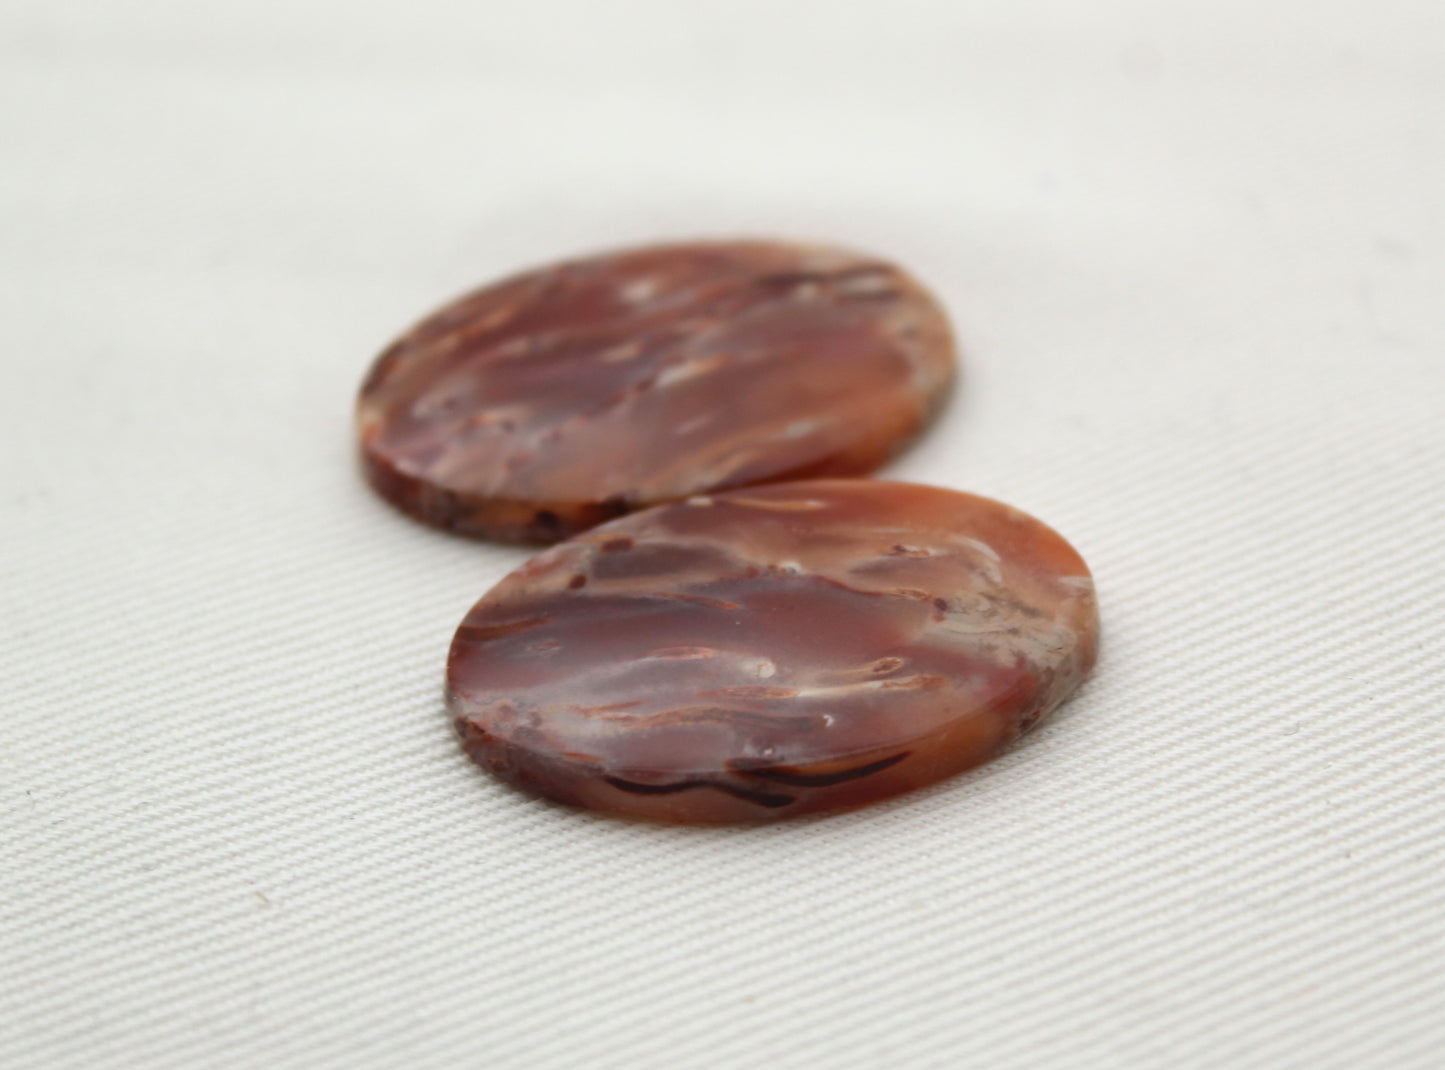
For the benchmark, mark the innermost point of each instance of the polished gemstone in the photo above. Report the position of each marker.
(773, 650)
(551, 401)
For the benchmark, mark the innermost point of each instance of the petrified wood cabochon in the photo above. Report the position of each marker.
(772, 650)
(559, 398)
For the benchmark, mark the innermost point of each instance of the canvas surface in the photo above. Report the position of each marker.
(1195, 255)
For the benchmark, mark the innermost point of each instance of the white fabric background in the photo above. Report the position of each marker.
(1195, 252)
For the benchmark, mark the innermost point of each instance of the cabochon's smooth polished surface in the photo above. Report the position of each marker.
(553, 400)
(771, 651)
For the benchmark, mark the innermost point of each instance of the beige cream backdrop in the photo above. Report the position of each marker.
(1195, 252)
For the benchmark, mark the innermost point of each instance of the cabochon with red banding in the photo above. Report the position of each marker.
(551, 401)
(772, 651)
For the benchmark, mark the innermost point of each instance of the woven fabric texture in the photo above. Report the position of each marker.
(1195, 254)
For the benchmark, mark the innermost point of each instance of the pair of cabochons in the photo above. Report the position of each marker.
(732, 629)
